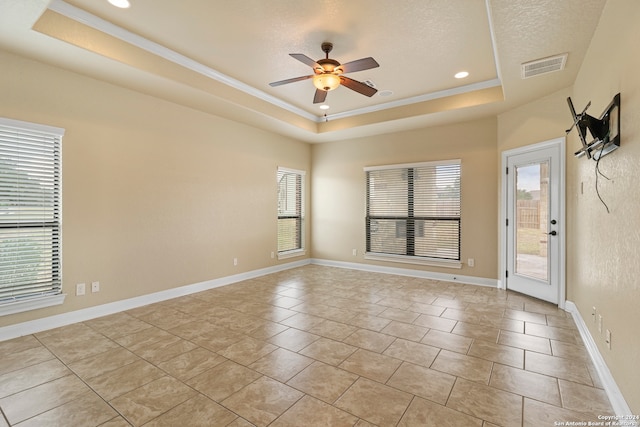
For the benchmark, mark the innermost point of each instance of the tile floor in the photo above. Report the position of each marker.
(313, 346)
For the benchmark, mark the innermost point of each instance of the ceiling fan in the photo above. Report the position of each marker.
(328, 74)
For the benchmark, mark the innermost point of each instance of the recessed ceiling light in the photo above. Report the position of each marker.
(123, 4)
(324, 107)
(461, 75)
(385, 93)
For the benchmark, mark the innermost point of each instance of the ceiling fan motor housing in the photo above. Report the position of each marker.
(328, 66)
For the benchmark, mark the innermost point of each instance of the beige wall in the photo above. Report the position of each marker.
(155, 195)
(542, 120)
(338, 190)
(602, 248)
(604, 270)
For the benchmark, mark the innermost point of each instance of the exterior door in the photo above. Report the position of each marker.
(534, 221)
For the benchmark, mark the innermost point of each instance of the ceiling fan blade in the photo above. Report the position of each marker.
(284, 82)
(357, 86)
(305, 60)
(360, 65)
(320, 96)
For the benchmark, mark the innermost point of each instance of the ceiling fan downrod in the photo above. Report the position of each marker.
(326, 48)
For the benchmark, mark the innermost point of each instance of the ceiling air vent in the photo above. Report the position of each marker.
(543, 66)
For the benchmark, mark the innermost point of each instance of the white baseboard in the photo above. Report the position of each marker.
(470, 280)
(618, 403)
(59, 320)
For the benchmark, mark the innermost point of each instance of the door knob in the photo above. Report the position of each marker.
(553, 233)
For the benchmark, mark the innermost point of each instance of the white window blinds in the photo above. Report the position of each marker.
(414, 210)
(290, 210)
(29, 211)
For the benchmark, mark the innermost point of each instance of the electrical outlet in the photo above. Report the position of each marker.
(600, 323)
(471, 262)
(354, 252)
(235, 261)
(607, 339)
(95, 286)
(80, 289)
(273, 255)
(593, 313)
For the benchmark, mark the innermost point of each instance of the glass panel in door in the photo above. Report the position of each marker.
(532, 217)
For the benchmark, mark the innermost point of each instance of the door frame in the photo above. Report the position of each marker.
(562, 225)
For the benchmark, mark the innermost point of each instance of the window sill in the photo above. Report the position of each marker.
(292, 254)
(31, 304)
(413, 260)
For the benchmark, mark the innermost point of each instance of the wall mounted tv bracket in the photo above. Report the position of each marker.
(605, 130)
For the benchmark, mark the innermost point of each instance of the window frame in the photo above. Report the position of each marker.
(298, 215)
(50, 292)
(411, 220)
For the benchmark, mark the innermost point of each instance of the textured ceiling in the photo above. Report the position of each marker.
(219, 56)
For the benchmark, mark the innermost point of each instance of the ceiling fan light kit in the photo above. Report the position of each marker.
(326, 81)
(327, 74)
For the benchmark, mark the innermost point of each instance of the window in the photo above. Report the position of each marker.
(290, 212)
(413, 212)
(29, 216)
